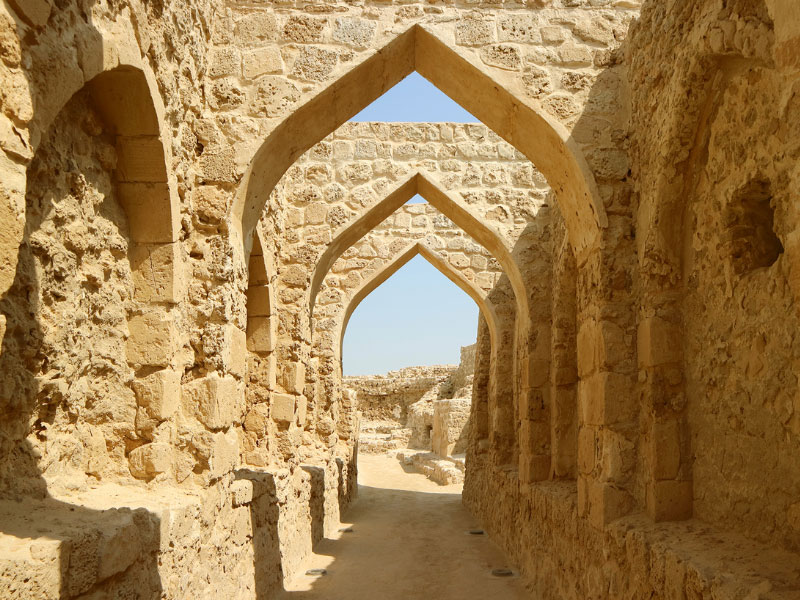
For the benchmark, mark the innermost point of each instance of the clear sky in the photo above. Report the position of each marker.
(415, 99)
(418, 316)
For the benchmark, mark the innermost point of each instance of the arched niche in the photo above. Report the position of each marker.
(122, 119)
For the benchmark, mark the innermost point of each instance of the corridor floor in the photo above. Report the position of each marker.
(410, 540)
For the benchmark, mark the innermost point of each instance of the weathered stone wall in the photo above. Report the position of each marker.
(716, 176)
(150, 344)
(422, 408)
(714, 297)
(387, 397)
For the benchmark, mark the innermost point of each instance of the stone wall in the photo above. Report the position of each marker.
(178, 189)
(714, 295)
(387, 397)
(422, 408)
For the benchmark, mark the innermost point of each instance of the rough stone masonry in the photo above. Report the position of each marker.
(187, 221)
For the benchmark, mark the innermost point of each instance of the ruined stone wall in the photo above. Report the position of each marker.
(718, 311)
(387, 397)
(422, 408)
(155, 357)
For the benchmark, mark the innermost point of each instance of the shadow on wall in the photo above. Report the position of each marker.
(52, 548)
(261, 495)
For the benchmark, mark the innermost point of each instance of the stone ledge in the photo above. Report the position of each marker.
(673, 559)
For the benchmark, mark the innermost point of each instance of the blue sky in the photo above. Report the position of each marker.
(418, 316)
(414, 99)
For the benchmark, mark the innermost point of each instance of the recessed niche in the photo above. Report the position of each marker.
(750, 229)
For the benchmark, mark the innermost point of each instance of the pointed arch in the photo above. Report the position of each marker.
(419, 249)
(455, 209)
(539, 137)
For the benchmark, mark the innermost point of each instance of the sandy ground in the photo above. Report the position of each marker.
(409, 540)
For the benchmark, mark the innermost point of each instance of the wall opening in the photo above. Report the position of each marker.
(750, 229)
(415, 334)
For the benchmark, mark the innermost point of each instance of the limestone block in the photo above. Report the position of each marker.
(459, 260)
(261, 62)
(502, 56)
(293, 377)
(596, 30)
(316, 213)
(474, 31)
(535, 404)
(282, 408)
(587, 449)
(224, 454)
(218, 166)
(159, 393)
(354, 32)
(225, 62)
(34, 12)
(553, 35)
(534, 468)
(669, 500)
(565, 374)
(535, 436)
(256, 28)
(257, 271)
(520, 28)
(157, 271)
(574, 55)
(118, 549)
(538, 372)
(257, 420)
(607, 503)
(302, 407)
(152, 339)
(214, 400)
(617, 456)
(658, 342)
(314, 63)
(234, 350)
(241, 492)
(606, 398)
(152, 217)
(304, 28)
(261, 334)
(665, 449)
(209, 203)
(140, 159)
(149, 460)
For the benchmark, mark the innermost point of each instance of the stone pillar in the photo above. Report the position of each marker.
(666, 444)
(534, 411)
(607, 406)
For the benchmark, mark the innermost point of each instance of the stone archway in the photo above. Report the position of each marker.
(454, 208)
(505, 393)
(539, 137)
